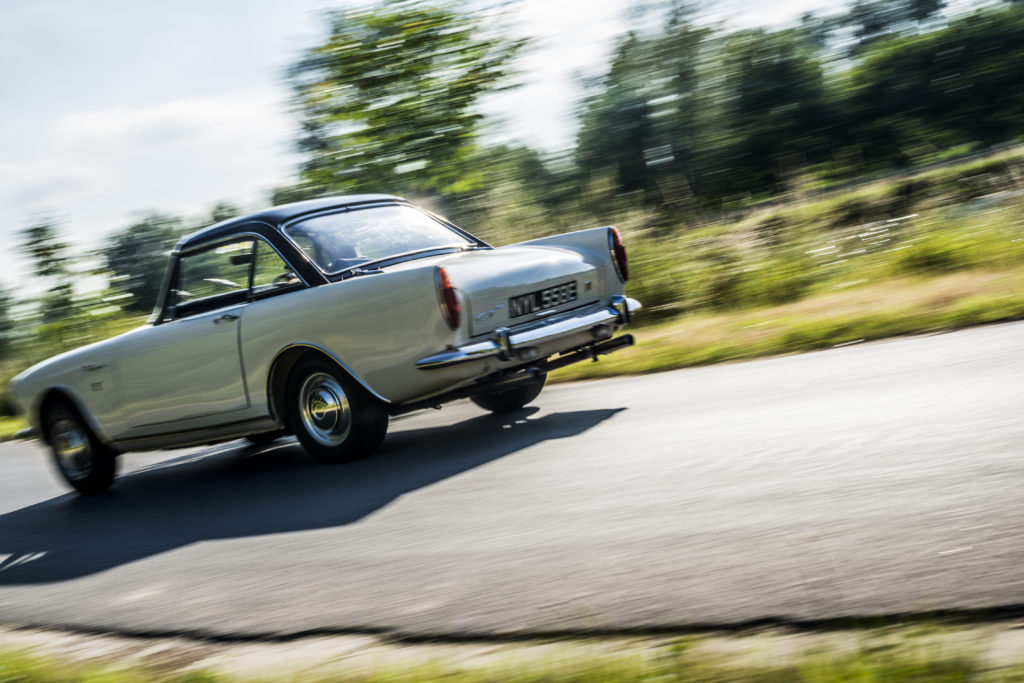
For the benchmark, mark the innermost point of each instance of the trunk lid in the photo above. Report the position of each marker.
(515, 285)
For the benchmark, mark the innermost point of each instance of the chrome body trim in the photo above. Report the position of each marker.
(201, 436)
(623, 306)
(504, 341)
(501, 340)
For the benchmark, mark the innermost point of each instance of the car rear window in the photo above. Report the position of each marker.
(346, 239)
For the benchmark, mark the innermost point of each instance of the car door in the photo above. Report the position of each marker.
(187, 367)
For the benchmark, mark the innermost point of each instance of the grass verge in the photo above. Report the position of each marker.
(9, 426)
(891, 308)
(898, 653)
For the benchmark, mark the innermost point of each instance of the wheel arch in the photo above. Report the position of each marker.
(287, 358)
(57, 393)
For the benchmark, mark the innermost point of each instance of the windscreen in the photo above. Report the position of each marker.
(348, 238)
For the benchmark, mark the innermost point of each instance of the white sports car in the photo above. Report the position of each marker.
(323, 318)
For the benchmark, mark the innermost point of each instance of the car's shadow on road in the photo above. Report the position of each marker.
(237, 491)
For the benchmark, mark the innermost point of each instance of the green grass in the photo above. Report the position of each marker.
(9, 426)
(17, 667)
(939, 654)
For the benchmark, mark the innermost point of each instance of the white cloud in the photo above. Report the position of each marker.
(34, 184)
(99, 170)
(232, 116)
(101, 167)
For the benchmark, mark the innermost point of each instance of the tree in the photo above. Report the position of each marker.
(520, 196)
(222, 211)
(45, 248)
(645, 121)
(776, 109)
(42, 243)
(875, 19)
(616, 126)
(136, 257)
(923, 10)
(388, 101)
(961, 84)
(816, 29)
(6, 322)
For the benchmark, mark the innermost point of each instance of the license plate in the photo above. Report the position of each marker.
(542, 299)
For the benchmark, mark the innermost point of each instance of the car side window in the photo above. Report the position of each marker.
(212, 278)
(215, 271)
(270, 273)
(227, 274)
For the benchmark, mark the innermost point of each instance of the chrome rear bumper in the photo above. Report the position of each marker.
(506, 344)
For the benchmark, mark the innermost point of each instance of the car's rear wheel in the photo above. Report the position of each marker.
(507, 399)
(265, 438)
(334, 418)
(83, 460)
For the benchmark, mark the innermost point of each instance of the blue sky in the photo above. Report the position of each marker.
(113, 108)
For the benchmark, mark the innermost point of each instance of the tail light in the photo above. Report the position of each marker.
(449, 299)
(618, 252)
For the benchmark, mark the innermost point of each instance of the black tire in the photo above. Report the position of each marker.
(86, 463)
(499, 400)
(265, 438)
(334, 418)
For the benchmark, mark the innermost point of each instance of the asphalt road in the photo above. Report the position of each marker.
(872, 479)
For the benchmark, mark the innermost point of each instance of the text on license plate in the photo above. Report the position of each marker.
(542, 299)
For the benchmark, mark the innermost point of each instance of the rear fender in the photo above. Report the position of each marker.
(373, 326)
(592, 245)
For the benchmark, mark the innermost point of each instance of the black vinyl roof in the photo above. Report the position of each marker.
(278, 215)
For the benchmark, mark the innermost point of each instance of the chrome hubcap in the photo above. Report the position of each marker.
(71, 445)
(324, 409)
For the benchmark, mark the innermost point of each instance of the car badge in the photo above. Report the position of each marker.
(488, 314)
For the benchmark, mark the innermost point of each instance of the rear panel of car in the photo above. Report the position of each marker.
(516, 285)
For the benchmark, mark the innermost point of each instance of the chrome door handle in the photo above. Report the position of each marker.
(226, 318)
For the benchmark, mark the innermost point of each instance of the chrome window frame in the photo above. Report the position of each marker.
(174, 273)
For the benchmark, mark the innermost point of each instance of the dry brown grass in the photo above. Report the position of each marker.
(874, 311)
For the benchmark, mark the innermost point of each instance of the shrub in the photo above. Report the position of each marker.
(933, 253)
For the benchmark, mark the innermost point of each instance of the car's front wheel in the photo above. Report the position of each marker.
(504, 400)
(334, 418)
(83, 460)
